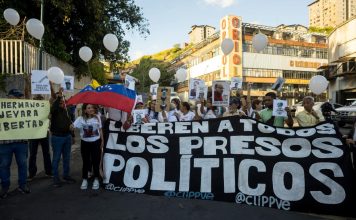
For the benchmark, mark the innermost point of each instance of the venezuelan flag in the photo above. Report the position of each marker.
(111, 95)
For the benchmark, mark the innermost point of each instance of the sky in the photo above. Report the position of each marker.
(171, 20)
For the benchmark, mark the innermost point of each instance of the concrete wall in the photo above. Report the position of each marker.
(342, 42)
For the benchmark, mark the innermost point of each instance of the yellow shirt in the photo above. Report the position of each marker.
(306, 119)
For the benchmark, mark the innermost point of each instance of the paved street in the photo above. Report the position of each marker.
(69, 202)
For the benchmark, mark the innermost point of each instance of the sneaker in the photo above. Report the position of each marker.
(4, 193)
(84, 184)
(68, 179)
(57, 182)
(30, 178)
(24, 189)
(96, 184)
(49, 175)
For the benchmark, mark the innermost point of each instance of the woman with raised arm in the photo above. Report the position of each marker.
(206, 110)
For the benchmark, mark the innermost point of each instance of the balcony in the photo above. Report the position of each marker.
(331, 72)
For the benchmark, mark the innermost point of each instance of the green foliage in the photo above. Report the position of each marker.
(160, 60)
(323, 30)
(142, 69)
(95, 70)
(71, 24)
(165, 55)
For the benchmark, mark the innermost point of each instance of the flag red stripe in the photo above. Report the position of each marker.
(108, 99)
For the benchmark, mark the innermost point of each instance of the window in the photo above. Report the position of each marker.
(289, 50)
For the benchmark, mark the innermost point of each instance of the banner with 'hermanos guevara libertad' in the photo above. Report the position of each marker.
(23, 119)
(235, 160)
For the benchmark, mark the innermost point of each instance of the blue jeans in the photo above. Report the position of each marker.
(61, 145)
(20, 149)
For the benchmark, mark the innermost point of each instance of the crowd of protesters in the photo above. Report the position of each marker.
(91, 121)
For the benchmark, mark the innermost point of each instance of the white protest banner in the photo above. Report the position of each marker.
(130, 82)
(40, 82)
(68, 83)
(221, 92)
(194, 85)
(153, 89)
(279, 108)
(138, 115)
(202, 92)
(277, 86)
(236, 83)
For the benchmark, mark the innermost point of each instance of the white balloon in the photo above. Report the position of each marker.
(11, 16)
(181, 75)
(85, 53)
(227, 45)
(154, 74)
(111, 42)
(35, 28)
(55, 75)
(318, 84)
(259, 42)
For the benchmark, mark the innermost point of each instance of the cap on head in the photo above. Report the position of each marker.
(15, 93)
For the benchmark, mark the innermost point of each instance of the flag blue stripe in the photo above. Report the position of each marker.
(118, 89)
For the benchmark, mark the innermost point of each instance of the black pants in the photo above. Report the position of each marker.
(33, 147)
(91, 155)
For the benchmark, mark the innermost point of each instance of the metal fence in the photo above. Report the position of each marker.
(18, 57)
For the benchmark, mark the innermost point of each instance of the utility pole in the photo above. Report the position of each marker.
(41, 41)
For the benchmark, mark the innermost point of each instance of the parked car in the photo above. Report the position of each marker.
(346, 114)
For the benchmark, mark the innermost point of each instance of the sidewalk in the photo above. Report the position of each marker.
(40, 167)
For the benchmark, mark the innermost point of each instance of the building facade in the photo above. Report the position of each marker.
(331, 13)
(341, 68)
(199, 33)
(291, 53)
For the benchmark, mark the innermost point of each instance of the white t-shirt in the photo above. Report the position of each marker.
(187, 117)
(170, 116)
(209, 115)
(89, 129)
(152, 117)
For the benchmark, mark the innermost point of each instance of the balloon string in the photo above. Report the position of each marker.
(89, 69)
(65, 107)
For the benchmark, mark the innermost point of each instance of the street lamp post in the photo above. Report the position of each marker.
(41, 41)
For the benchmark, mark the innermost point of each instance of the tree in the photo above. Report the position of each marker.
(71, 24)
(323, 30)
(142, 69)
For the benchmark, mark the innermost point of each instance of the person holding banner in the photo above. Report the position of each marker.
(7, 149)
(152, 115)
(186, 114)
(33, 147)
(309, 116)
(92, 143)
(256, 107)
(61, 139)
(266, 114)
(208, 111)
(169, 116)
(234, 108)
